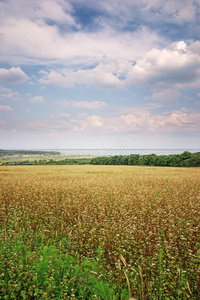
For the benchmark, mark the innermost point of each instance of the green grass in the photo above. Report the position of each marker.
(49, 273)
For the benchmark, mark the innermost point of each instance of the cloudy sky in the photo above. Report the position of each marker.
(99, 74)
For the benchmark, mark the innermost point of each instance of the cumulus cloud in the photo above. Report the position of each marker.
(139, 120)
(5, 107)
(59, 11)
(90, 105)
(42, 41)
(54, 33)
(64, 115)
(179, 121)
(178, 11)
(90, 123)
(38, 123)
(13, 75)
(176, 66)
(135, 120)
(8, 94)
(37, 99)
(166, 95)
(84, 104)
(102, 76)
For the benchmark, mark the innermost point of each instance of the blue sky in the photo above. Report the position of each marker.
(99, 74)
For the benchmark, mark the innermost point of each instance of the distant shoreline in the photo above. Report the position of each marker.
(102, 152)
(27, 152)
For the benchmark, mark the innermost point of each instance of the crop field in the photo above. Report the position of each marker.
(99, 232)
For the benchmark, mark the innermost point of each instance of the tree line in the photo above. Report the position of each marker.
(186, 159)
(80, 161)
(27, 152)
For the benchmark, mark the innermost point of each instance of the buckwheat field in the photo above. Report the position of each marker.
(99, 232)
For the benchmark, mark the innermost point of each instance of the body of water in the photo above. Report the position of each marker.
(106, 152)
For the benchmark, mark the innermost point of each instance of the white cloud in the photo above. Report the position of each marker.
(141, 120)
(84, 104)
(180, 10)
(198, 95)
(37, 99)
(176, 66)
(58, 11)
(38, 123)
(2, 122)
(8, 94)
(41, 42)
(180, 121)
(5, 107)
(177, 121)
(90, 123)
(55, 11)
(94, 121)
(13, 75)
(45, 40)
(101, 76)
(138, 120)
(64, 115)
(90, 105)
(166, 95)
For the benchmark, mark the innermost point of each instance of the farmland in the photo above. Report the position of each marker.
(99, 232)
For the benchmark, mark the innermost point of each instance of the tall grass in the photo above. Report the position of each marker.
(99, 232)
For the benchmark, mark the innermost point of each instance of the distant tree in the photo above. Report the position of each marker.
(186, 155)
(153, 160)
(133, 159)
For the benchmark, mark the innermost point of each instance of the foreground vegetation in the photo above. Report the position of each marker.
(99, 232)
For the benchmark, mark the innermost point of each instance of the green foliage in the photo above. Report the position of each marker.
(80, 161)
(49, 273)
(186, 159)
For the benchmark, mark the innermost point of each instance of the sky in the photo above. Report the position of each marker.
(103, 74)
